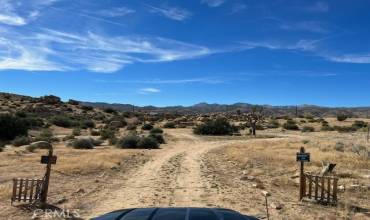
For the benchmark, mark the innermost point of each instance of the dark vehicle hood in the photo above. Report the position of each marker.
(174, 214)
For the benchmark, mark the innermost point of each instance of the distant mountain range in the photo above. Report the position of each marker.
(203, 108)
(242, 107)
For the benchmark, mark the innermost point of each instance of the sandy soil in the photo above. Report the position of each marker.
(173, 177)
(189, 170)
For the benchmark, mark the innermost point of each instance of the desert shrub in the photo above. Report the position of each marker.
(21, 114)
(127, 114)
(116, 122)
(110, 110)
(50, 99)
(290, 124)
(87, 124)
(308, 129)
(46, 135)
(21, 140)
(76, 132)
(87, 108)
(148, 143)
(73, 102)
(339, 146)
(131, 127)
(260, 127)
(359, 124)
(147, 127)
(2, 146)
(312, 120)
(321, 120)
(62, 121)
(31, 148)
(308, 116)
(83, 143)
(342, 117)
(94, 132)
(303, 121)
(107, 133)
(358, 149)
(326, 127)
(113, 140)
(344, 129)
(34, 122)
(158, 137)
(12, 126)
(156, 131)
(273, 123)
(30, 120)
(220, 126)
(306, 141)
(96, 142)
(324, 123)
(130, 141)
(68, 137)
(181, 126)
(169, 124)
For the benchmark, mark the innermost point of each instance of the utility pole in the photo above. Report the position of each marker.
(296, 111)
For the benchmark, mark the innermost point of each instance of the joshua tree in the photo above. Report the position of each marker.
(254, 117)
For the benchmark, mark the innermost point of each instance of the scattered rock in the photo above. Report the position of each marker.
(276, 205)
(249, 178)
(62, 200)
(116, 124)
(114, 168)
(265, 193)
(80, 191)
(258, 185)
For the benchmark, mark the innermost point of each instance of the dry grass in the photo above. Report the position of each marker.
(91, 171)
(273, 162)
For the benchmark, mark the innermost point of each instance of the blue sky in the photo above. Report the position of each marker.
(183, 52)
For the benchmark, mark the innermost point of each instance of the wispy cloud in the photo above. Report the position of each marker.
(166, 81)
(56, 50)
(149, 90)
(18, 13)
(311, 26)
(174, 13)
(116, 12)
(213, 3)
(311, 46)
(319, 6)
(350, 58)
(304, 45)
(238, 7)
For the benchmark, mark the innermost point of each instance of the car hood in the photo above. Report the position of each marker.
(174, 214)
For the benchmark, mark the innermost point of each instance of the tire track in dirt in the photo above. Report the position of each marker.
(173, 177)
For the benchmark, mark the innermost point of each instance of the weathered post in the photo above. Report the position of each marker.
(266, 194)
(48, 160)
(302, 156)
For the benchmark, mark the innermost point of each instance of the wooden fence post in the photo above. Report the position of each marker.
(302, 157)
(44, 192)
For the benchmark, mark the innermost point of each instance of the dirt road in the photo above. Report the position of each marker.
(173, 177)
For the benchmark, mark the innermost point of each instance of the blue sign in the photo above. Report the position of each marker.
(305, 157)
